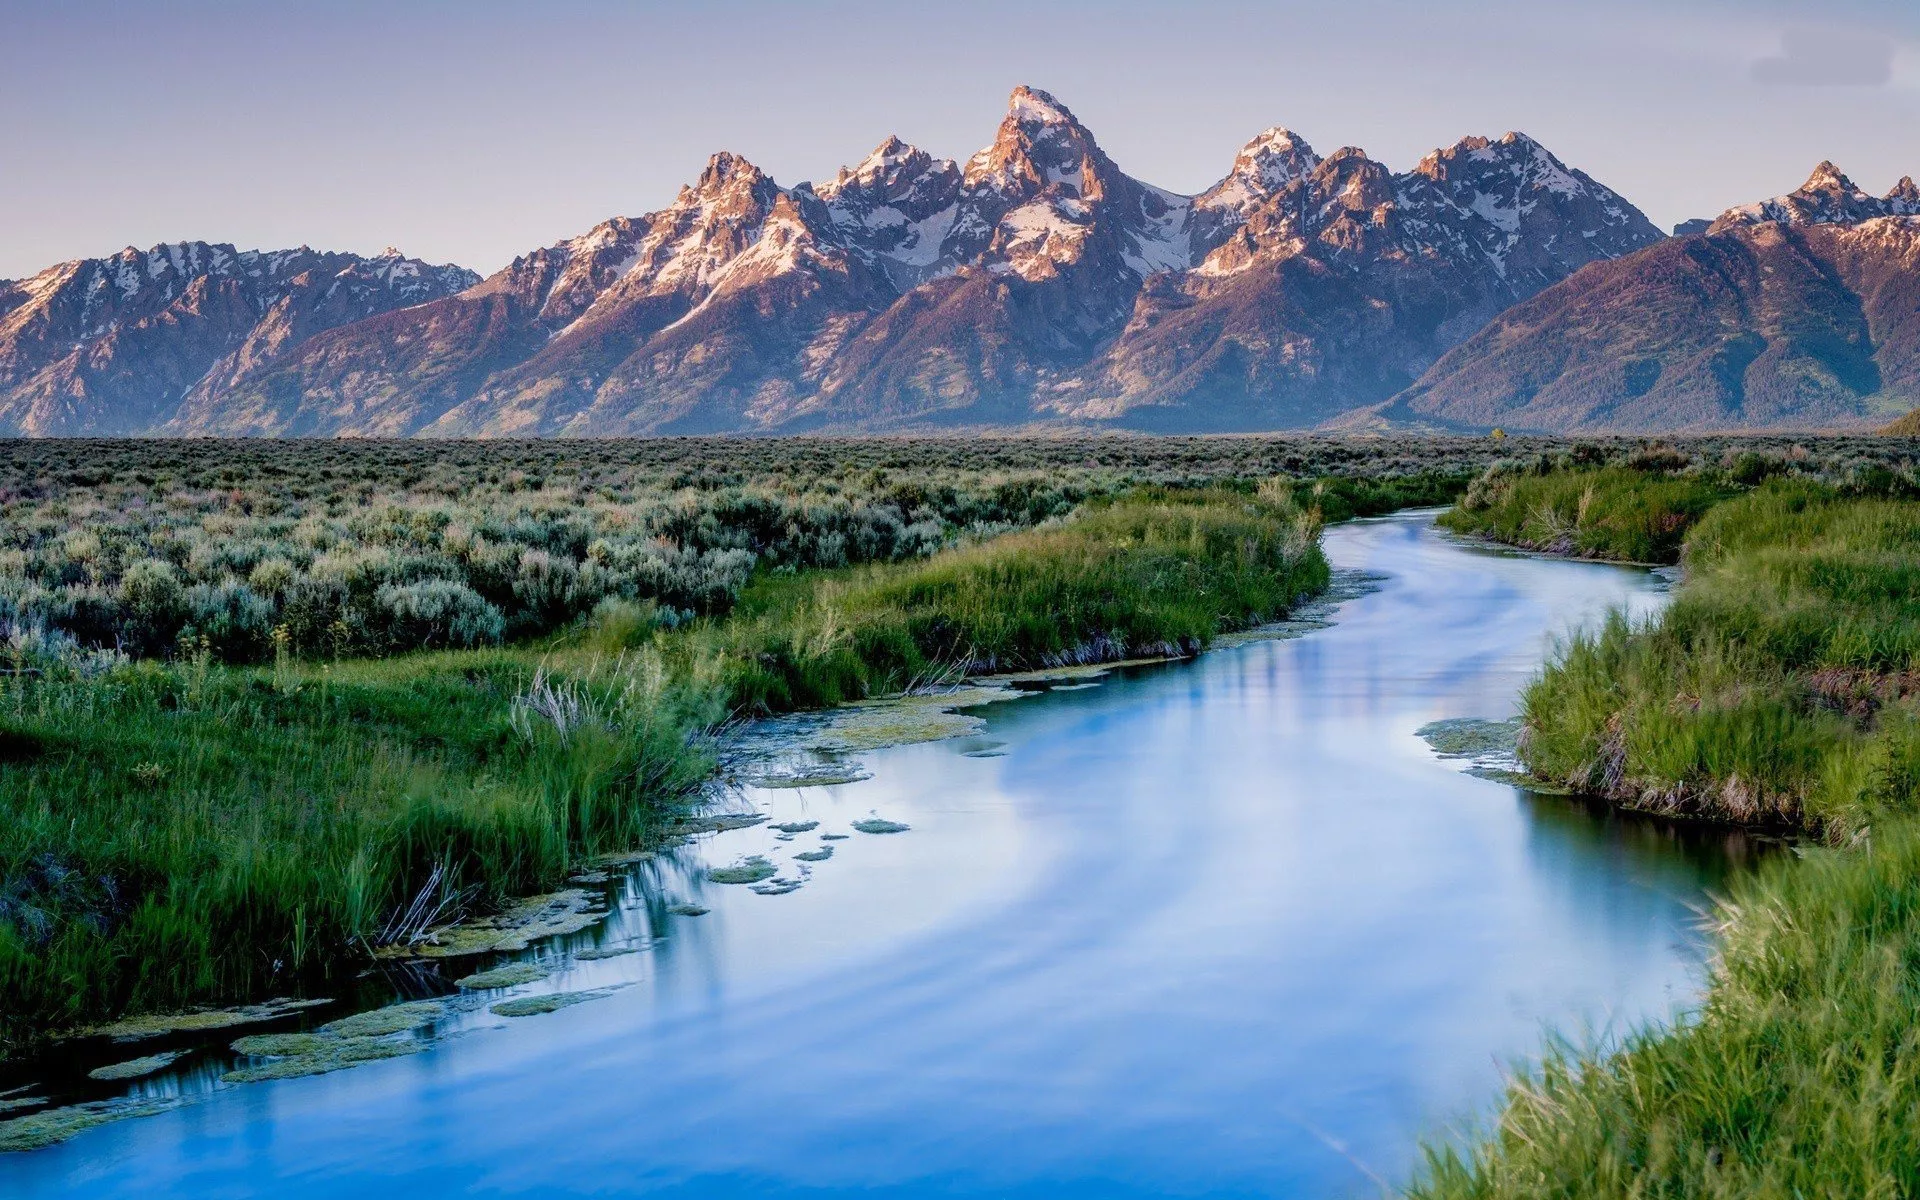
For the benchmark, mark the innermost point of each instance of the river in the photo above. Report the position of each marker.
(1218, 928)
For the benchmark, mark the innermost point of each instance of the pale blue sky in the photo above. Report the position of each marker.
(472, 131)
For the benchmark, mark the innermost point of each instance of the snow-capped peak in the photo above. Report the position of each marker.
(1272, 160)
(1828, 197)
(1031, 106)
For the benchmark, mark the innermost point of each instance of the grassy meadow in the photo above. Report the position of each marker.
(1777, 689)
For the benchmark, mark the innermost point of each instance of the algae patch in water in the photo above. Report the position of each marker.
(138, 1068)
(532, 1006)
(833, 837)
(394, 1018)
(153, 1025)
(18, 1098)
(688, 910)
(718, 822)
(880, 825)
(280, 1045)
(1490, 748)
(752, 870)
(806, 778)
(797, 826)
(777, 887)
(510, 975)
(42, 1129)
(1469, 737)
(821, 855)
(517, 928)
(331, 1054)
(600, 952)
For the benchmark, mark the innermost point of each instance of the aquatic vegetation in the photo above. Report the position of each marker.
(716, 822)
(394, 1018)
(797, 826)
(599, 952)
(1470, 737)
(280, 1045)
(777, 887)
(137, 1068)
(879, 825)
(36, 1131)
(151, 1025)
(508, 975)
(530, 1006)
(750, 870)
(329, 1055)
(820, 855)
(519, 926)
(16, 1098)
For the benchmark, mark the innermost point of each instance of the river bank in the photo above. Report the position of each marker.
(1774, 692)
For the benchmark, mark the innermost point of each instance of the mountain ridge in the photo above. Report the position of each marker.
(1801, 311)
(1036, 283)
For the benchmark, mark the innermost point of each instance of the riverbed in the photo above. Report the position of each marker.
(1224, 927)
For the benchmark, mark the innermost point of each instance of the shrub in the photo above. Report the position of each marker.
(438, 613)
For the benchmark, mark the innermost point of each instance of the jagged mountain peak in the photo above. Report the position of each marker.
(1039, 144)
(1826, 177)
(1031, 106)
(1828, 197)
(727, 173)
(893, 166)
(1271, 160)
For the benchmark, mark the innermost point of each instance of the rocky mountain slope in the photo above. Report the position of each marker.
(1035, 282)
(133, 342)
(1801, 311)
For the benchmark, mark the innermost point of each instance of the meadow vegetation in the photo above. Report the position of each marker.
(336, 549)
(1779, 688)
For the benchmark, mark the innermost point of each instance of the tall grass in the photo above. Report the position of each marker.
(1158, 573)
(1778, 687)
(173, 834)
(1775, 689)
(1614, 513)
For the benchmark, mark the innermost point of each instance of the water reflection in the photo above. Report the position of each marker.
(1222, 928)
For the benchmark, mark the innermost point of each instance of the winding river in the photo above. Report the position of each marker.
(1218, 928)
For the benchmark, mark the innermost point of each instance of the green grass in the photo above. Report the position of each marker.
(1154, 574)
(188, 833)
(1777, 688)
(1613, 512)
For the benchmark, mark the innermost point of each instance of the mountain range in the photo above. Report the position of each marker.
(1034, 284)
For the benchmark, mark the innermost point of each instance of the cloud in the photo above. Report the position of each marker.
(1827, 57)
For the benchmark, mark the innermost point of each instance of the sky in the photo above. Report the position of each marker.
(470, 131)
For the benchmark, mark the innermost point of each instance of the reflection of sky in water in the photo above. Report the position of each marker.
(1221, 928)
